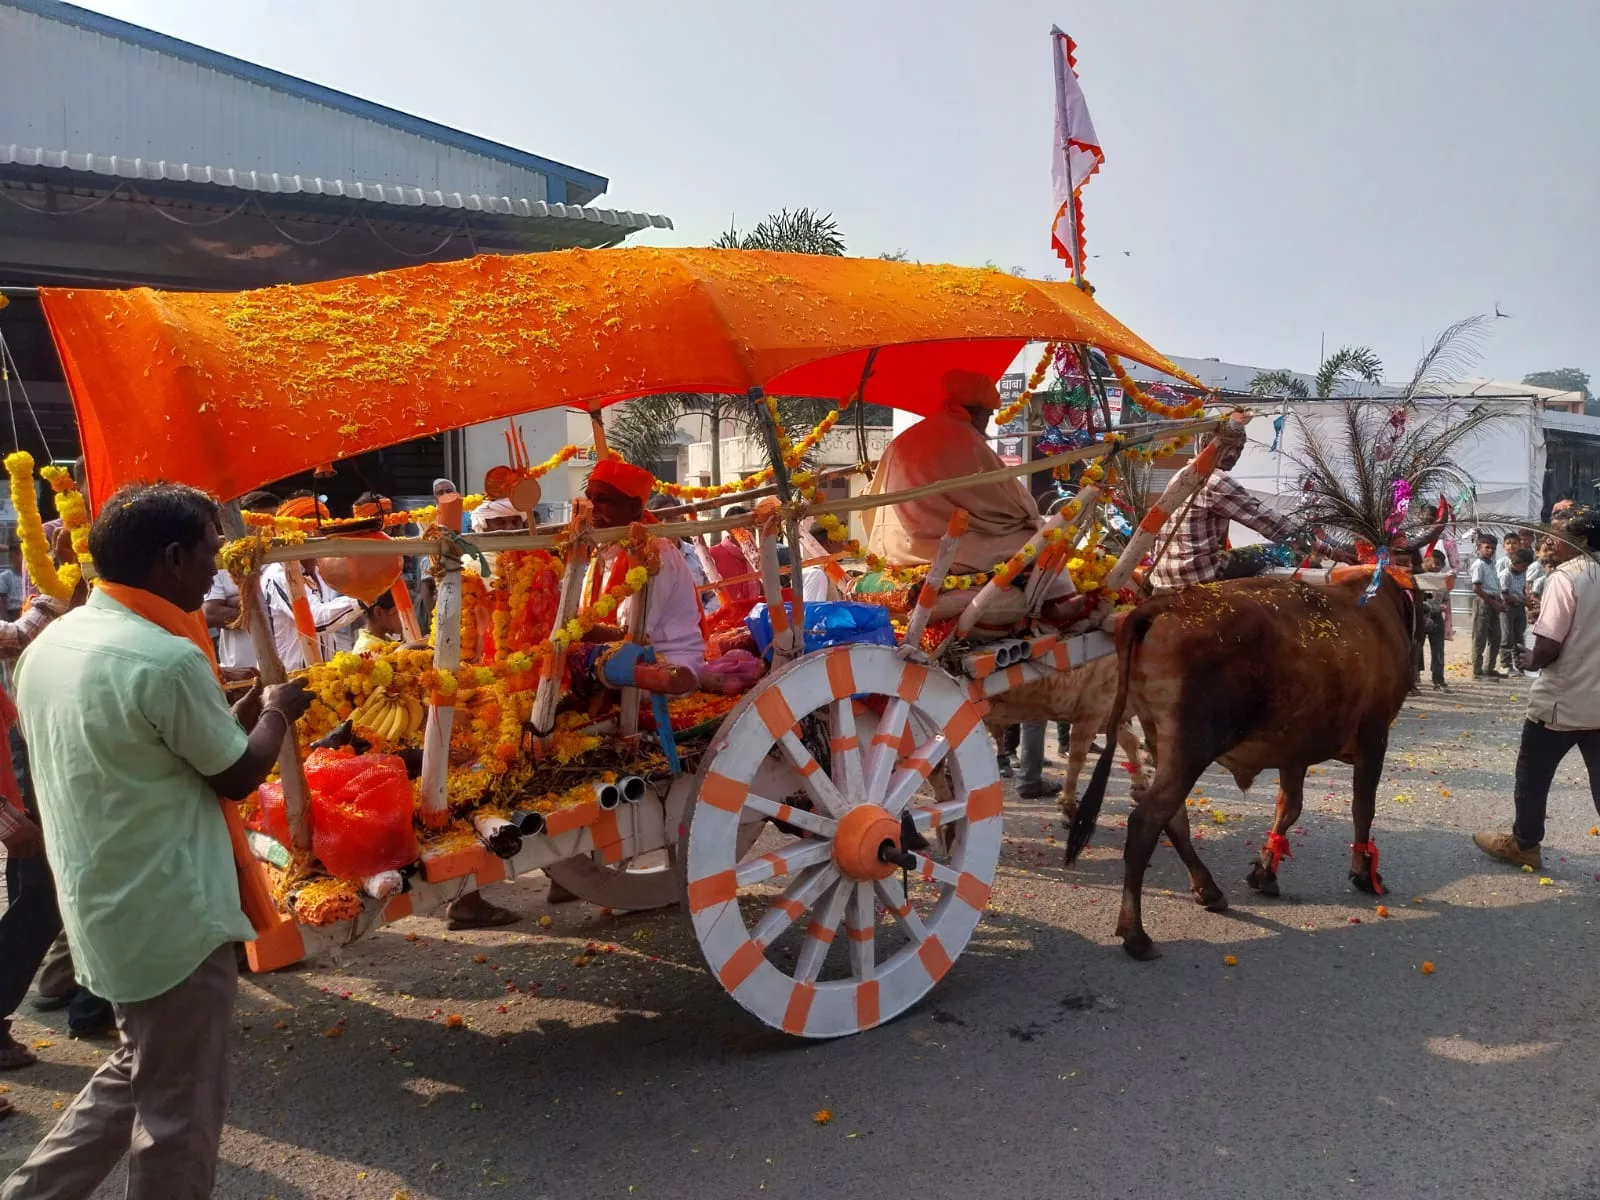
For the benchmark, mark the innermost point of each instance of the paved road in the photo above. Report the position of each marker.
(1046, 1064)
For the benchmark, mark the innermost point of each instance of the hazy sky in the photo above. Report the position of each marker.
(1276, 169)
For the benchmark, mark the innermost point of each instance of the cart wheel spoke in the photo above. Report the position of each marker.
(913, 772)
(819, 933)
(899, 904)
(861, 919)
(797, 899)
(845, 749)
(812, 775)
(790, 815)
(886, 746)
(789, 860)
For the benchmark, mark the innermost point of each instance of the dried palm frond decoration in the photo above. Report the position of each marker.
(1374, 472)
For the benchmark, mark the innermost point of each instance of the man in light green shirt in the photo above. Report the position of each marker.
(132, 744)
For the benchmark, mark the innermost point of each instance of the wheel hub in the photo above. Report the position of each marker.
(862, 834)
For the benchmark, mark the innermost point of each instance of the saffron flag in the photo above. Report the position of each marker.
(1075, 156)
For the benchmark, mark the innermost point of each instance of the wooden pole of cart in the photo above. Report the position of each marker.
(446, 659)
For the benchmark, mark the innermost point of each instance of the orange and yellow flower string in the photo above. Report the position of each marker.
(1190, 408)
(793, 455)
(56, 582)
(281, 526)
(1015, 409)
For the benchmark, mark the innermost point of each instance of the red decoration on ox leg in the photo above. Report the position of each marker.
(1277, 850)
(1370, 849)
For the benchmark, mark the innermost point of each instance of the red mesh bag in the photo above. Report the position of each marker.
(361, 810)
(270, 816)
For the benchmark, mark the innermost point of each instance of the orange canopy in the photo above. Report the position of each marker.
(230, 391)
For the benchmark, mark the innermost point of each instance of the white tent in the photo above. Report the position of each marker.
(1505, 460)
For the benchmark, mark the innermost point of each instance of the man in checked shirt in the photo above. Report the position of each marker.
(1198, 550)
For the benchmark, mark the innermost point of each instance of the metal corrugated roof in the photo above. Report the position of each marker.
(582, 185)
(123, 167)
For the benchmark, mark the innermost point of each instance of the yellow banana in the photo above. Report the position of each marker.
(394, 724)
(415, 715)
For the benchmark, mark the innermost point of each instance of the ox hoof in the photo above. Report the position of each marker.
(1069, 811)
(1262, 880)
(1367, 881)
(1212, 901)
(1140, 947)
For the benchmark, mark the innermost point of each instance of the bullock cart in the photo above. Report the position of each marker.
(852, 790)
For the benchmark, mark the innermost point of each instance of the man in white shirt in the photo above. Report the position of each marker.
(330, 611)
(222, 607)
(1487, 605)
(1564, 705)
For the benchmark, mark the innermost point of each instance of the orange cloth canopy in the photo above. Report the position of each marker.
(230, 391)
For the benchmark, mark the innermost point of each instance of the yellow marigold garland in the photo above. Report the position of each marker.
(58, 584)
(1011, 411)
(1144, 400)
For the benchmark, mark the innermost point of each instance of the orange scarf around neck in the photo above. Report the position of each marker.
(255, 895)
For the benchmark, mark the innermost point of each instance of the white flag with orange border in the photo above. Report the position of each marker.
(1075, 156)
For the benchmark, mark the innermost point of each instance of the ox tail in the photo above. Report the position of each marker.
(1129, 635)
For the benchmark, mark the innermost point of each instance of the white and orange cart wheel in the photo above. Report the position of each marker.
(814, 931)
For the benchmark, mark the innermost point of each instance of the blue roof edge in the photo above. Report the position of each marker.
(57, 10)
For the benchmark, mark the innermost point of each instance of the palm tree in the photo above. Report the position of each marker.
(1344, 364)
(646, 429)
(798, 232)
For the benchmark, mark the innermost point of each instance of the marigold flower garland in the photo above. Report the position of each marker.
(1013, 410)
(793, 455)
(57, 583)
(1148, 402)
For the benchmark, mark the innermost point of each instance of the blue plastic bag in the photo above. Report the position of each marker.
(828, 623)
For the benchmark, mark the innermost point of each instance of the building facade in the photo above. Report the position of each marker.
(130, 158)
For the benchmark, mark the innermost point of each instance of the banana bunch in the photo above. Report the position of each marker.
(391, 718)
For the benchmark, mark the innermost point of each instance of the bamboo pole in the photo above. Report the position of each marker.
(1043, 572)
(572, 579)
(933, 581)
(305, 625)
(410, 627)
(336, 547)
(435, 783)
(1178, 491)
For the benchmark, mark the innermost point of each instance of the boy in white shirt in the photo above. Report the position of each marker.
(1487, 605)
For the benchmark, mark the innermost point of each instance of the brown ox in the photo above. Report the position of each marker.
(1083, 699)
(1254, 674)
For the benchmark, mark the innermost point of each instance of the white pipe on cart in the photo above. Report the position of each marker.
(383, 885)
(502, 837)
(632, 788)
(441, 717)
(529, 822)
(607, 795)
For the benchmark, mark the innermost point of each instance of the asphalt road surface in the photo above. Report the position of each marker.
(1326, 1062)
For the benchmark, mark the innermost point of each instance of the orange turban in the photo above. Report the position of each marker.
(380, 508)
(625, 477)
(970, 389)
(303, 507)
